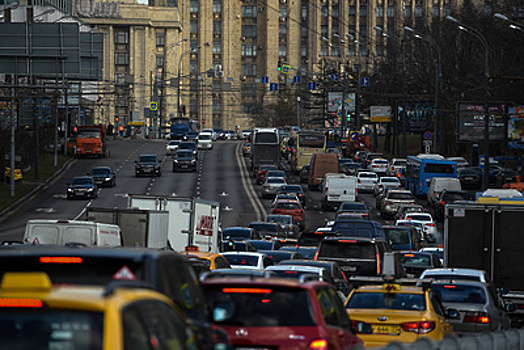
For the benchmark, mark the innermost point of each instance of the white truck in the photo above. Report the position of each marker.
(140, 227)
(192, 221)
(62, 232)
(337, 189)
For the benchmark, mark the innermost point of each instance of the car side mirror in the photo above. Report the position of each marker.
(452, 313)
(136, 161)
(502, 291)
(510, 307)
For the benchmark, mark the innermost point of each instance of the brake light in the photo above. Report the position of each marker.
(14, 302)
(316, 256)
(292, 272)
(247, 290)
(430, 225)
(482, 318)
(318, 344)
(410, 255)
(442, 203)
(60, 260)
(449, 286)
(348, 241)
(378, 264)
(421, 327)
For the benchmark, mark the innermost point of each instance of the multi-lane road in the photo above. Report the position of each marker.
(222, 175)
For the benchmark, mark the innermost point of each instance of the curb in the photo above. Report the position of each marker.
(5, 214)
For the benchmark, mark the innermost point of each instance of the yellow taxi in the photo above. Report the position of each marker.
(213, 260)
(391, 312)
(34, 314)
(18, 174)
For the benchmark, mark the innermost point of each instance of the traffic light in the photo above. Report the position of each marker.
(279, 65)
(155, 114)
(348, 118)
(116, 119)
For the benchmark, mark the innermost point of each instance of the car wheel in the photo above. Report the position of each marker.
(159, 174)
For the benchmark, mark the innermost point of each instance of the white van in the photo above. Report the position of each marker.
(338, 188)
(62, 232)
(438, 184)
(205, 140)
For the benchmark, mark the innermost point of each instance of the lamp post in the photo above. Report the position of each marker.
(513, 25)
(482, 39)
(404, 86)
(438, 87)
(184, 54)
(357, 97)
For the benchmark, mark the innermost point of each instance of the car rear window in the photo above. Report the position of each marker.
(247, 306)
(270, 227)
(246, 260)
(148, 159)
(367, 176)
(275, 180)
(397, 195)
(354, 229)
(353, 206)
(338, 249)
(459, 293)
(288, 206)
(418, 217)
(415, 259)
(395, 301)
(397, 236)
(237, 233)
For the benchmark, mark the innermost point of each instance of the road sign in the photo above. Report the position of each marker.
(296, 79)
(427, 146)
(364, 81)
(428, 135)
(203, 121)
(334, 77)
(312, 85)
(153, 106)
(353, 135)
(265, 80)
(273, 87)
(285, 68)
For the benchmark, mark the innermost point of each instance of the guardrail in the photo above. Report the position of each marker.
(512, 339)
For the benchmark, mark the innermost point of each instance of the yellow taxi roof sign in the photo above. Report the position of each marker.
(391, 287)
(26, 281)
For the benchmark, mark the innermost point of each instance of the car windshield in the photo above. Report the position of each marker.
(204, 137)
(245, 260)
(173, 143)
(56, 329)
(381, 162)
(399, 162)
(354, 229)
(415, 259)
(459, 293)
(101, 171)
(395, 301)
(270, 227)
(292, 189)
(260, 307)
(353, 207)
(147, 159)
(397, 236)
(276, 173)
(342, 250)
(184, 154)
(82, 181)
(288, 206)
(234, 233)
(281, 219)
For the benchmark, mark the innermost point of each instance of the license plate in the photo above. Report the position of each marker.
(383, 329)
(349, 268)
(468, 178)
(183, 166)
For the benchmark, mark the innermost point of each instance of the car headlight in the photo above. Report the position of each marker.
(108, 179)
(175, 161)
(69, 190)
(91, 189)
(193, 161)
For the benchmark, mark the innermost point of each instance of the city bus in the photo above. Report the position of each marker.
(420, 169)
(304, 144)
(180, 126)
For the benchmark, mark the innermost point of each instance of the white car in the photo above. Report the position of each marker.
(430, 227)
(213, 133)
(418, 225)
(461, 162)
(397, 167)
(379, 166)
(248, 260)
(438, 251)
(386, 181)
(366, 181)
(205, 140)
(272, 185)
(172, 147)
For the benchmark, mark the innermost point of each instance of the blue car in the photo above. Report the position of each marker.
(82, 187)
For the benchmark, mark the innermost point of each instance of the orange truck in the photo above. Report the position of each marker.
(91, 141)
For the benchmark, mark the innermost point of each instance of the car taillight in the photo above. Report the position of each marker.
(421, 327)
(430, 225)
(388, 203)
(266, 186)
(365, 215)
(378, 264)
(318, 344)
(472, 317)
(361, 327)
(442, 203)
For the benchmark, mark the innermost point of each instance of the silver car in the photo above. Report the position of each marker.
(271, 186)
(480, 307)
(288, 222)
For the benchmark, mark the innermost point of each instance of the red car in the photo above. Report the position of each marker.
(262, 172)
(280, 314)
(293, 208)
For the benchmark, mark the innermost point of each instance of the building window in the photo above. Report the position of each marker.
(193, 6)
(217, 27)
(249, 50)
(193, 26)
(324, 11)
(217, 46)
(160, 39)
(246, 108)
(249, 31)
(121, 58)
(303, 31)
(120, 79)
(334, 11)
(216, 108)
(282, 10)
(248, 69)
(303, 50)
(352, 10)
(172, 3)
(407, 11)
(160, 61)
(362, 31)
(324, 30)
(363, 11)
(249, 90)
(435, 11)
(324, 50)
(193, 45)
(362, 49)
(217, 6)
(249, 11)
(282, 30)
(193, 66)
(391, 11)
(303, 11)
(418, 10)
(334, 51)
(380, 11)
(217, 84)
(334, 29)
(282, 50)
(121, 37)
(446, 11)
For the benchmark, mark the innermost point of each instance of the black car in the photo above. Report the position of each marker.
(184, 160)
(268, 229)
(189, 146)
(414, 263)
(82, 187)
(448, 197)
(103, 176)
(148, 164)
(304, 173)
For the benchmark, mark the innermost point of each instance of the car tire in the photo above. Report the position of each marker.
(158, 174)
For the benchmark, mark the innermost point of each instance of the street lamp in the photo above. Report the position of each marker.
(438, 86)
(357, 97)
(513, 25)
(404, 86)
(478, 35)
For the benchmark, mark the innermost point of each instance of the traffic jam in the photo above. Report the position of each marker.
(354, 251)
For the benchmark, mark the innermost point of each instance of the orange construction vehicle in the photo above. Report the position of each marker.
(91, 141)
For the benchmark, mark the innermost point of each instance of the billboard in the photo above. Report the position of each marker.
(420, 115)
(516, 123)
(335, 101)
(471, 121)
